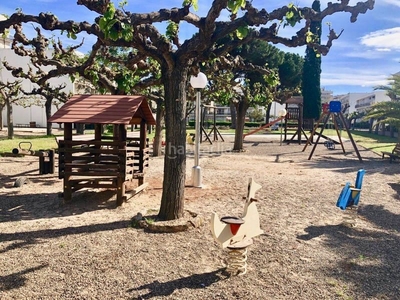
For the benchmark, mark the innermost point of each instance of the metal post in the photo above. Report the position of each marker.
(196, 170)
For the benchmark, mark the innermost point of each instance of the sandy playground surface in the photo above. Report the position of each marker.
(88, 249)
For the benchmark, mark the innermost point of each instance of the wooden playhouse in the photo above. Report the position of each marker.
(100, 161)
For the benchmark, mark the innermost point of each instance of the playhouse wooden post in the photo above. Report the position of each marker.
(67, 159)
(120, 135)
(143, 146)
(97, 137)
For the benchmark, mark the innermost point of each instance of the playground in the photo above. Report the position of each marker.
(90, 249)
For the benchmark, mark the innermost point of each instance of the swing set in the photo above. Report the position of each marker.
(331, 110)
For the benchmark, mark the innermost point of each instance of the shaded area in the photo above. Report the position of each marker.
(381, 217)
(15, 207)
(16, 280)
(366, 259)
(396, 188)
(24, 239)
(195, 281)
(31, 172)
(7, 164)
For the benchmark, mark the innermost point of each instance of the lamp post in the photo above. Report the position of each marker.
(197, 82)
(282, 113)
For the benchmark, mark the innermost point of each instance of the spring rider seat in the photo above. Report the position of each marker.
(236, 233)
(349, 198)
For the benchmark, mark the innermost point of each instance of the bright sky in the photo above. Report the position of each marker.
(365, 55)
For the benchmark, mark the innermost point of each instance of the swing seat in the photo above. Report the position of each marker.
(330, 145)
(350, 195)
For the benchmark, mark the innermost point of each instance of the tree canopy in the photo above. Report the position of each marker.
(387, 112)
(393, 88)
(253, 75)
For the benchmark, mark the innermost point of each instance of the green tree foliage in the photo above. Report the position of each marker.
(393, 89)
(311, 84)
(290, 76)
(256, 115)
(387, 112)
(247, 77)
(286, 67)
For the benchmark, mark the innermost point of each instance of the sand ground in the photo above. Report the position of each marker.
(88, 249)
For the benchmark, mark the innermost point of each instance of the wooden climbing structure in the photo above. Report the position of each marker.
(101, 161)
(331, 111)
(294, 120)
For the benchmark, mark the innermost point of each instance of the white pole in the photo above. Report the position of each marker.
(196, 170)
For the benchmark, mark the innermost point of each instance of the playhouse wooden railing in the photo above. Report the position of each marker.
(101, 164)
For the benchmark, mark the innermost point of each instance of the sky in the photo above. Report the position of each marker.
(365, 56)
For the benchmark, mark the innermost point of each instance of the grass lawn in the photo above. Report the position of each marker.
(376, 143)
(32, 142)
(373, 142)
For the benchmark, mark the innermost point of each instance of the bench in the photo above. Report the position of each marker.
(395, 154)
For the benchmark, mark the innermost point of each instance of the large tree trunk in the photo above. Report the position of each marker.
(391, 128)
(47, 106)
(172, 201)
(383, 129)
(370, 125)
(241, 109)
(233, 115)
(268, 113)
(158, 132)
(10, 122)
(376, 131)
(80, 128)
(1, 117)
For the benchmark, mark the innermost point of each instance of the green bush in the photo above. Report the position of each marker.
(109, 128)
(224, 123)
(253, 124)
(209, 124)
(363, 124)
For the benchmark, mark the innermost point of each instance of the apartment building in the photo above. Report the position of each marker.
(364, 103)
(326, 95)
(349, 100)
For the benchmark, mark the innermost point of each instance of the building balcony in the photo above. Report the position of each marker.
(360, 105)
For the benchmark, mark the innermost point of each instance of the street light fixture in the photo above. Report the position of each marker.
(198, 82)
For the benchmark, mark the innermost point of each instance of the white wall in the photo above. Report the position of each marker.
(353, 97)
(381, 96)
(34, 113)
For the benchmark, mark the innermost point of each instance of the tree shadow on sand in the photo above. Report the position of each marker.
(195, 281)
(366, 258)
(26, 238)
(16, 280)
(15, 207)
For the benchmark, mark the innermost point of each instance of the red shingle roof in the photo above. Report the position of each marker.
(104, 109)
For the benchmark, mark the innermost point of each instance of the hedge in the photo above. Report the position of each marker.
(208, 124)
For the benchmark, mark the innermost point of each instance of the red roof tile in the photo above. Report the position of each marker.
(104, 109)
